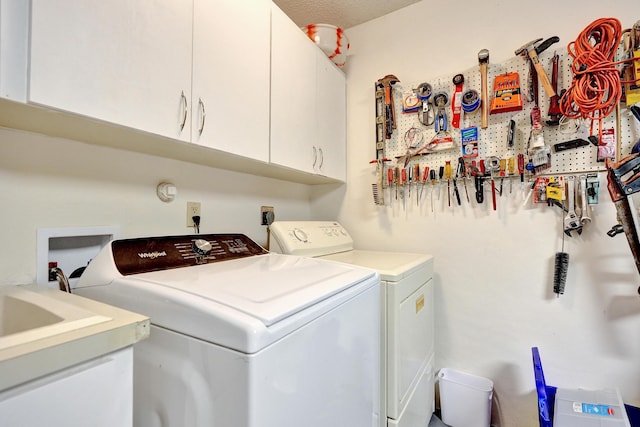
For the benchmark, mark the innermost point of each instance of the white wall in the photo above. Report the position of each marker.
(50, 182)
(494, 298)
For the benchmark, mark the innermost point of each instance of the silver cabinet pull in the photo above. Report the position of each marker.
(203, 115)
(183, 100)
(321, 158)
(315, 157)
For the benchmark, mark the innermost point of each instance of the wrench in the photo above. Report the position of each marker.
(584, 214)
(571, 220)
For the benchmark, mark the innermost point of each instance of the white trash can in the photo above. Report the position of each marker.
(465, 399)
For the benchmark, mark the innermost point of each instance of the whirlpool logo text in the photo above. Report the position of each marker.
(152, 255)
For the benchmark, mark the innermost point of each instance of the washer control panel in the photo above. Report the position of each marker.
(309, 238)
(133, 256)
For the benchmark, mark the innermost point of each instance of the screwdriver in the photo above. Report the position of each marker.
(440, 175)
(503, 168)
(432, 177)
(480, 182)
(390, 180)
(403, 181)
(455, 189)
(416, 178)
(409, 180)
(511, 169)
(447, 175)
(462, 171)
(521, 168)
(396, 179)
(425, 176)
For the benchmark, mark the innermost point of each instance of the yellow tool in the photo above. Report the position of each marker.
(448, 174)
(511, 168)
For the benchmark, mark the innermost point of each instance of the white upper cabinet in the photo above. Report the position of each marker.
(332, 118)
(308, 102)
(231, 76)
(236, 79)
(293, 82)
(121, 61)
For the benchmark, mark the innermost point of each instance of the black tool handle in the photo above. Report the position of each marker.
(479, 189)
(456, 192)
(512, 133)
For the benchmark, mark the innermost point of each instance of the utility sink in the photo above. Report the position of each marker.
(44, 330)
(26, 316)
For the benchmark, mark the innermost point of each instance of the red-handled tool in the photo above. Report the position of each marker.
(390, 183)
(503, 169)
(425, 177)
(416, 178)
(432, 178)
(521, 166)
(403, 181)
(456, 102)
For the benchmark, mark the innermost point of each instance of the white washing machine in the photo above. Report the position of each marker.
(408, 319)
(241, 337)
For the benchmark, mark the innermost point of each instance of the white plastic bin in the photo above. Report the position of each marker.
(465, 399)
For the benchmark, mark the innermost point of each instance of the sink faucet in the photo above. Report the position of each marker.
(63, 282)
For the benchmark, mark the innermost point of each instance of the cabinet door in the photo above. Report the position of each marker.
(331, 119)
(121, 61)
(231, 76)
(96, 393)
(293, 95)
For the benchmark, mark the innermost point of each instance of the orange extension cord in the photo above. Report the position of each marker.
(596, 89)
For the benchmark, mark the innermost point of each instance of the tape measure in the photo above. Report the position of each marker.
(470, 101)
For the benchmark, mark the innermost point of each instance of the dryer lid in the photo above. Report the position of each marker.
(392, 266)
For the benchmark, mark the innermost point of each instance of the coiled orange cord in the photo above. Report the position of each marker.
(596, 89)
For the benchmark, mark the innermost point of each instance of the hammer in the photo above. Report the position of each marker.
(530, 50)
(483, 59)
(387, 82)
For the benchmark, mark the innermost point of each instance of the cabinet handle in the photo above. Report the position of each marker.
(203, 115)
(321, 158)
(183, 101)
(315, 157)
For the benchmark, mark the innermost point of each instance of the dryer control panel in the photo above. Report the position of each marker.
(133, 256)
(309, 238)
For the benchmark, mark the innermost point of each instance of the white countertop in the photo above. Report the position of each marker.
(96, 330)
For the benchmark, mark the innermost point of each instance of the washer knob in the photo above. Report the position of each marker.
(201, 247)
(300, 235)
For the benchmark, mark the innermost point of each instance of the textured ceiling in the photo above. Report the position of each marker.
(342, 13)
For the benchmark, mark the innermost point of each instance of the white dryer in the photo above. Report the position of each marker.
(407, 334)
(241, 337)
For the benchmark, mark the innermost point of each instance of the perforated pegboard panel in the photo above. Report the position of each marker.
(493, 140)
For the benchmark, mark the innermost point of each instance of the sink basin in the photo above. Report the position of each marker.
(26, 316)
(44, 330)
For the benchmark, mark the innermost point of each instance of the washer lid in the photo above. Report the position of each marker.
(268, 287)
(392, 266)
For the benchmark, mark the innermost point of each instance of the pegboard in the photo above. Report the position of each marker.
(492, 141)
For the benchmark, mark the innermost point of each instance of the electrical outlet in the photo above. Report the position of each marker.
(267, 215)
(193, 209)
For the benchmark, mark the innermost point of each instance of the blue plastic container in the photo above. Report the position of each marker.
(547, 395)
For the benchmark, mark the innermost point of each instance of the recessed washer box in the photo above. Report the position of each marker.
(71, 247)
